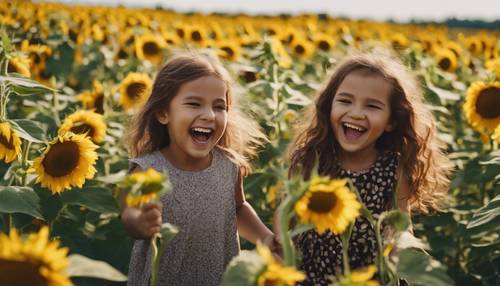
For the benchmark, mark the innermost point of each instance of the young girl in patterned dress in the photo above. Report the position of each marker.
(190, 127)
(369, 124)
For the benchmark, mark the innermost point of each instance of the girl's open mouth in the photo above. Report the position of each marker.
(352, 132)
(200, 135)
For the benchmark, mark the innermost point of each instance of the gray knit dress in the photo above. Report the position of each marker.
(202, 205)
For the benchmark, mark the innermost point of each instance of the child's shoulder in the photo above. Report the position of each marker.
(153, 159)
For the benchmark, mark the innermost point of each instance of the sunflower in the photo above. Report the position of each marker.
(481, 105)
(10, 144)
(493, 65)
(32, 261)
(446, 60)
(229, 50)
(85, 122)
(150, 47)
(134, 90)
(302, 48)
(284, 59)
(361, 277)
(399, 41)
(197, 35)
(276, 274)
(20, 65)
(324, 42)
(496, 134)
(328, 204)
(94, 99)
(67, 162)
(144, 187)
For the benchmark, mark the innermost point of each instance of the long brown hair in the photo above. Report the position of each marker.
(146, 134)
(413, 135)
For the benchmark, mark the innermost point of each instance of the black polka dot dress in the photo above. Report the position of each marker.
(322, 254)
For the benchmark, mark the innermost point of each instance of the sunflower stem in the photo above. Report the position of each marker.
(284, 211)
(346, 235)
(24, 161)
(55, 110)
(7, 222)
(380, 251)
(155, 260)
(3, 100)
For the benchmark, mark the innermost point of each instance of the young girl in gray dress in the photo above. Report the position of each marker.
(190, 127)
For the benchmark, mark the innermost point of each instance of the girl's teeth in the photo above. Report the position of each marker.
(360, 129)
(200, 129)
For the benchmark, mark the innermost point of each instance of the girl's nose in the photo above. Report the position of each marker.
(208, 114)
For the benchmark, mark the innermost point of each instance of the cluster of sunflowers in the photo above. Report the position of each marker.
(93, 66)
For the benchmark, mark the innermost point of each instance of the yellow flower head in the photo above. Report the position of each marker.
(328, 204)
(94, 99)
(493, 65)
(85, 122)
(10, 144)
(150, 47)
(20, 65)
(229, 50)
(481, 105)
(32, 261)
(144, 187)
(276, 274)
(496, 134)
(446, 60)
(67, 162)
(135, 90)
(360, 278)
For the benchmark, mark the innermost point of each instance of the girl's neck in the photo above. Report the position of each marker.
(184, 163)
(358, 161)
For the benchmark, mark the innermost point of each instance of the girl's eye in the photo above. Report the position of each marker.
(220, 107)
(193, 104)
(344, 100)
(374, 106)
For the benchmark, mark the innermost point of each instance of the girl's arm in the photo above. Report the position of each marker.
(250, 226)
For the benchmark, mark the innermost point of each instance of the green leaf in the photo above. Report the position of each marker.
(421, 269)
(487, 217)
(243, 270)
(24, 200)
(296, 97)
(94, 198)
(81, 266)
(398, 219)
(29, 130)
(26, 86)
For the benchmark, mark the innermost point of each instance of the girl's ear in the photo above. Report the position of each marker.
(162, 117)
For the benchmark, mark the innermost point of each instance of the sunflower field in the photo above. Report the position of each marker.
(71, 77)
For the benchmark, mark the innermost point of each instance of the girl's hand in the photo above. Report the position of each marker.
(143, 223)
(273, 243)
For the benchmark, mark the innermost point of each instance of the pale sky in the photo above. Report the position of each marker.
(399, 10)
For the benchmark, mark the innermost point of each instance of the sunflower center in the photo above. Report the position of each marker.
(21, 273)
(81, 128)
(228, 50)
(488, 102)
(180, 33)
(322, 202)
(135, 89)
(324, 45)
(196, 36)
(61, 159)
(444, 64)
(12, 68)
(9, 144)
(150, 48)
(299, 49)
(271, 282)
